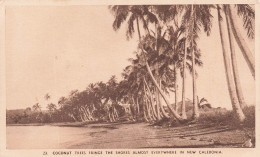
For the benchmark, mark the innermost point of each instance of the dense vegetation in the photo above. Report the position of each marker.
(167, 49)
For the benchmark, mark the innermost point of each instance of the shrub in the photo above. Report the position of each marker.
(221, 116)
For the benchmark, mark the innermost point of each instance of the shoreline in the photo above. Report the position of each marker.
(73, 124)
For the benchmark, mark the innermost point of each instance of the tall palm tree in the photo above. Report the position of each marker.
(36, 107)
(230, 81)
(183, 108)
(52, 108)
(195, 103)
(234, 62)
(121, 13)
(197, 17)
(47, 96)
(194, 17)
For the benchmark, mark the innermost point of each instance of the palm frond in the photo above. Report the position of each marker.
(248, 15)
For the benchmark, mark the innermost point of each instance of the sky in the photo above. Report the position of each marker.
(58, 49)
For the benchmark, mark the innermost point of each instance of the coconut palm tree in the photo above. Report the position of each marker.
(36, 107)
(121, 13)
(52, 108)
(230, 81)
(196, 17)
(190, 26)
(248, 14)
(47, 96)
(234, 62)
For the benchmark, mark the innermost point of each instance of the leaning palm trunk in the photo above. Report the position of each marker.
(90, 116)
(166, 115)
(135, 107)
(195, 104)
(155, 114)
(72, 116)
(149, 114)
(230, 83)
(175, 114)
(85, 115)
(148, 104)
(250, 59)
(151, 100)
(81, 116)
(116, 114)
(110, 118)
(146, 118)
(138, 106)
(149, 111)
(176, 86)
(234, 64)
(157, 94)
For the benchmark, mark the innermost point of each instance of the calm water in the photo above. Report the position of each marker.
(91, 136)
(109, 136)
(44, 137)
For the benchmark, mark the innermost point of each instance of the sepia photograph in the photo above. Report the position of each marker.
(157, 76)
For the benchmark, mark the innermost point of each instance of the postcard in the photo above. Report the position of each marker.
(129, 78)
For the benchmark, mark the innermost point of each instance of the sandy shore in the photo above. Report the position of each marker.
(142, 135)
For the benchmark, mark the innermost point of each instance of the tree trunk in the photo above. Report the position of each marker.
(151, 99)
(148, 109)
(145, 116)
(148, 104)
(90, 115)
(234, 63)
(195, 103)
(135, 106)
(176, 86)
(157, 73)
(174, 113)
(109, 117)
(230, 83)
(157, 103)
(155, 114)
(138, 106)
(160, 103)
(85, 116)
(116, 113)
(249, 57)
(71, 115)
(183, 106)
(81, 116)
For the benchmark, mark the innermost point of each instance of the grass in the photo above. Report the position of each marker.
(221, 116)
(215, 116)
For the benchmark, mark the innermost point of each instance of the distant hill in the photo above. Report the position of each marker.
(15, 111)
(20, 111)
(22, 116)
